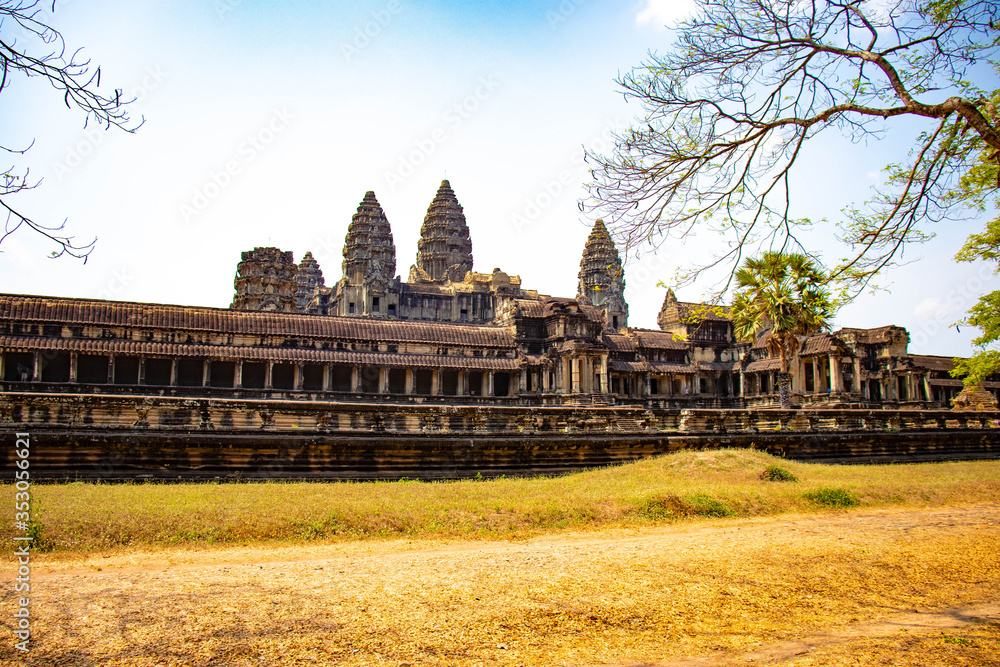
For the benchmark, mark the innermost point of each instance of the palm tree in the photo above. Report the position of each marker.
(782, 294)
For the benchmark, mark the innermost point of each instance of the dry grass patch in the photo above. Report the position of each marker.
(840, 588)
(84, 517)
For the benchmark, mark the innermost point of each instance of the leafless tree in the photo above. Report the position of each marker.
(30, 47)
(728, 109)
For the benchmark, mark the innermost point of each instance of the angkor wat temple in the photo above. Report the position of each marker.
(449, 374)
(447, 334)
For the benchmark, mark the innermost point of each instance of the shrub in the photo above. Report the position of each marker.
(670, 506)
(833, 497)
(707, 506)
(773, 473)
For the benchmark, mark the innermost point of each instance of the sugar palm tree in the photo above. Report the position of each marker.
(784, 296)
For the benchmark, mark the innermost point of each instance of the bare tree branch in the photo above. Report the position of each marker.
(30, 47)
(748, 82)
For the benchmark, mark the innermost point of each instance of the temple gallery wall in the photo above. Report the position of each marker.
(446, 338)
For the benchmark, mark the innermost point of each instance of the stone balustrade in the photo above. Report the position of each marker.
(86, 436)
(172, 414)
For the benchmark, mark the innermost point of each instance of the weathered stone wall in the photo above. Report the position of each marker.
(134, 437)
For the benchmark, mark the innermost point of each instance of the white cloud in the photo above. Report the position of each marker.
(935, 308)
(664, 12)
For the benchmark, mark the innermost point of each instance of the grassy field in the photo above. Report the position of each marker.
(85, 517)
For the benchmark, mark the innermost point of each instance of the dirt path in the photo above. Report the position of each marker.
(917, 586)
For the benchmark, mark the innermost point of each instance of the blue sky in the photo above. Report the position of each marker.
(267, 122)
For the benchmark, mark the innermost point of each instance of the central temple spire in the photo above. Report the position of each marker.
(369, 252)
(601, 277)
(444, 251)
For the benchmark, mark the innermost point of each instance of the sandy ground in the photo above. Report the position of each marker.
(895, 587)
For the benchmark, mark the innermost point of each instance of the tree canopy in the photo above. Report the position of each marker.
(979, 189)
(782, 295)
(30, 47)
(729, 107)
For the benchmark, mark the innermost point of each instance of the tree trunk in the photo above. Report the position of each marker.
(785, 390)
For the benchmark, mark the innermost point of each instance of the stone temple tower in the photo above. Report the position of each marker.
(444, 251)
(265, 280)
(369, 285)
(601, 277)
(308, 278)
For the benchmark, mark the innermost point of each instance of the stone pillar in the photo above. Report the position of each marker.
(522, 382)
(111, 369)
(484, 383)
(36, 372)
(460, 384)
(267, 375)
(142, 370)
(173, 372)
(327, 377)
(489, 384)
(383, 380)
(646, 388)
(74, 361)
(206, 372)
(238, 375)
(298, 377)
(409, 381)
(606, 388)
(856, 377)
(3, 365)
(355, 379)
(836, 375)
(696, 383)
(435, 382)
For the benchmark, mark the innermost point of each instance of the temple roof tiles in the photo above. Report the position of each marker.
(823, 343)
(931, 362)
(618, 343)
(649, 338)
(759, 365)
(246, 353)
(191, 318)
(621, 366)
